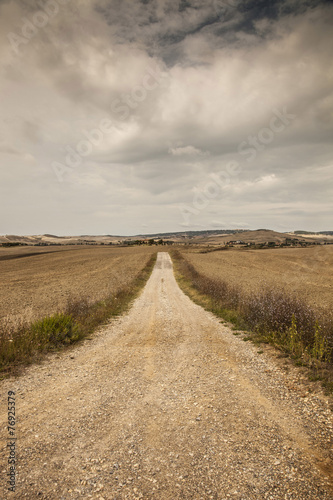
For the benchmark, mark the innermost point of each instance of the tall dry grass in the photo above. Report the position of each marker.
(273, 315)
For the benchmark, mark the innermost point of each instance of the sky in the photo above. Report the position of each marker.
(145, 116)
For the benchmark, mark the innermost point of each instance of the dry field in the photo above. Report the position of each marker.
(37, 281)
(306, 271)
(166, 403)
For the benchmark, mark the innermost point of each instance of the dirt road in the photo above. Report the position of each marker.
(167, 403)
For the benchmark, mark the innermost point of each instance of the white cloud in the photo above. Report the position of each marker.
(187, 151)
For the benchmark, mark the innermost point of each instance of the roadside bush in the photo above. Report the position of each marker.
(77, 307)
(55, 330)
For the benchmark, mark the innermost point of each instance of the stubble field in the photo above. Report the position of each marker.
(38, 281)
(306, 272)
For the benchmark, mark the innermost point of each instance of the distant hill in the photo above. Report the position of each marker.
(191, 233)
(327, 233)
(202, 237)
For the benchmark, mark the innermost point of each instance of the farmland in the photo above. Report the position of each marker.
(161, 378)
(307, 272)
(37, 281)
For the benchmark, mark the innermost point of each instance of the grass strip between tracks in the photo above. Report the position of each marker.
(27, 343)
(270, 316)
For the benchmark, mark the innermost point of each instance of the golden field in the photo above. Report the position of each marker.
(37, 281)
(307, 272)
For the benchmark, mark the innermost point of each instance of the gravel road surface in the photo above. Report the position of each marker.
(166, 403)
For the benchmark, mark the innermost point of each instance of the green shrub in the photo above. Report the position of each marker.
(55, 330)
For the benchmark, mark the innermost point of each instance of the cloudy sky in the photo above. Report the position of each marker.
(140, 116)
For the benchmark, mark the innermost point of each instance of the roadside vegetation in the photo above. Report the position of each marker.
(267, 316)
(26, 343)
